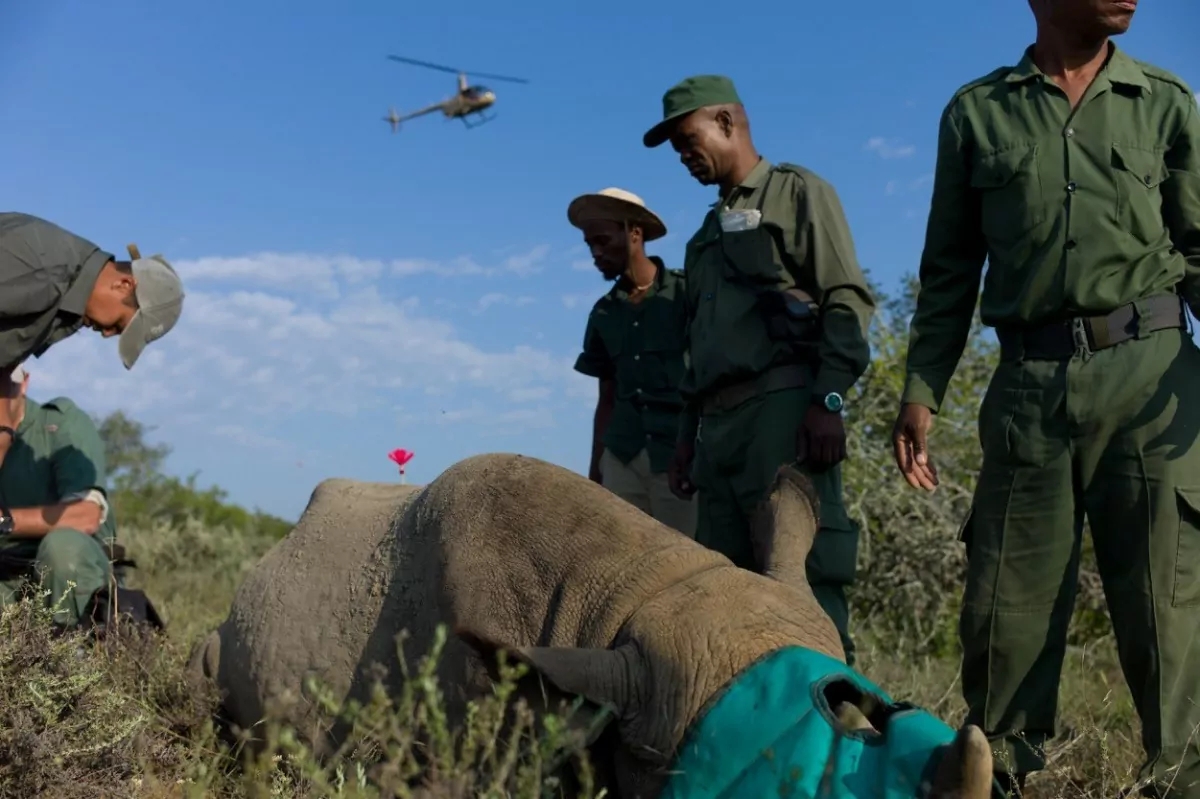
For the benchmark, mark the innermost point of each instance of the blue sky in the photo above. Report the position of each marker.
(351, 291)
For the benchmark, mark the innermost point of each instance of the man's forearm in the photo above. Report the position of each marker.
(36, 522)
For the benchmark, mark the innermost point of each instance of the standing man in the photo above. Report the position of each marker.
(53, 282)
(778, 312)
(1076, 174)
(635, 346)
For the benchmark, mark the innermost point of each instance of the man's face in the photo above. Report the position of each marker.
(1092, 18)
(702, 145)
(609, 247)
(111, 305)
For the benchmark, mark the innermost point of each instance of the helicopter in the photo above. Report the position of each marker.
(469, 101)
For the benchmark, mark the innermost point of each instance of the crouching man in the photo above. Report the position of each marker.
(54, 519)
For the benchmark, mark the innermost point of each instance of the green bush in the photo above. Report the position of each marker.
(911, 564)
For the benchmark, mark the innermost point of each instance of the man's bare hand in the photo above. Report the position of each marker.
(909, 437)
(821, 439)
(679, 470)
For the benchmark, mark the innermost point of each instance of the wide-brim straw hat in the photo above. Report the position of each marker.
(616, 205)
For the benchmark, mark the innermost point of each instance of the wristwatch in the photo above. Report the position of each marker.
(6, 521)
(833, 402)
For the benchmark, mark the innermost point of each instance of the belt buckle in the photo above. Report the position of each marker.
(1079, 335)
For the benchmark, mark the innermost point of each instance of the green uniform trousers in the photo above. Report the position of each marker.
(1112, 435)
(738, 452)
(61, 557)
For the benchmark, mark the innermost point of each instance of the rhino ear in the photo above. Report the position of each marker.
(557, 675)
(784, 526)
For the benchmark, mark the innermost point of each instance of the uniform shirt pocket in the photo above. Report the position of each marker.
(751, 255)
(1138, 174)
(1010, 189)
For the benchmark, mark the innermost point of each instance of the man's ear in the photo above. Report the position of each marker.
(724, 121)
(557, 676)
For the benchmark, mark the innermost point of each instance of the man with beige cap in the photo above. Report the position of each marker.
(53, 282)
(635, 345)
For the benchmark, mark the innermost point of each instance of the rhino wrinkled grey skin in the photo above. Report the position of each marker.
(512, 552)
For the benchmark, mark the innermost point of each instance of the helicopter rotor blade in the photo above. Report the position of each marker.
(451, 70)
(489, 76)
(425, 64)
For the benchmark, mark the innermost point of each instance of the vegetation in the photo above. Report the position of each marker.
(121, 720)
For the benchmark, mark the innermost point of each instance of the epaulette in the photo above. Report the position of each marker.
(1160, 74)
(63, 405)
(997, 74)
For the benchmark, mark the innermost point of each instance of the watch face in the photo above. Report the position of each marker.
(833, 401)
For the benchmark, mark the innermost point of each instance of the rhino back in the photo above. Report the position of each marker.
(534, 554)
(312, 603)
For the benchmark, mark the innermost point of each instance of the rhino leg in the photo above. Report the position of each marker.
(965, 771)
(784, 526)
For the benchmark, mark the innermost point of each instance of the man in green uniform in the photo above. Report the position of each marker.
(778, 313)
(53, 282)
(634, 345)
(1076, 174)
(54, 515)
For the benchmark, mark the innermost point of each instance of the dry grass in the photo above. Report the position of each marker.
(1098, 749)
(122, 721)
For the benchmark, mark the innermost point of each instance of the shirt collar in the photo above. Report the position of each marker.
(619, 290)
(1118, 68)
(76, 297)
(29, 419)
(754, 179)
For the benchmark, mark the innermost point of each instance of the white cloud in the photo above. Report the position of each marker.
(283, 348)
(583, 265)
(496, 298)
(577, 300)
(897, 186)
(889, 149)
(328, 274)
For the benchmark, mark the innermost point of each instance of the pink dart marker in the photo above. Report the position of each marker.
(400, 457)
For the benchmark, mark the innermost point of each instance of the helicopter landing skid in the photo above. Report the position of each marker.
(483, 120)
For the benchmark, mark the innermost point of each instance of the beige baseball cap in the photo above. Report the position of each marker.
(159, 295)
(616, 205)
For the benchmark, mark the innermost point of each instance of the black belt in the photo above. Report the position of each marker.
(1061, 340)
(642, 403)
(776, 378)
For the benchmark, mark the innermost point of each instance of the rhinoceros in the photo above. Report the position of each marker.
(602, 601)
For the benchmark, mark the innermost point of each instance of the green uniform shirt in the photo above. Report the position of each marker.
(803, 241)
(641, 346)
(46, 277)
(1076, 212)
(57, 453)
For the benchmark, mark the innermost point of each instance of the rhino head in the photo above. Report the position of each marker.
(640, 697)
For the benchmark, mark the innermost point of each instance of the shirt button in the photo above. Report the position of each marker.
(1071, 186)
(635, 324)
(637, 357)
(1070, 132)
(1147, 179)
(1070, 244)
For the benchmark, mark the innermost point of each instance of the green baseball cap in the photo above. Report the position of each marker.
(698, 91)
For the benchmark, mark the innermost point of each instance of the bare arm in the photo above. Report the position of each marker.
(82, 515)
